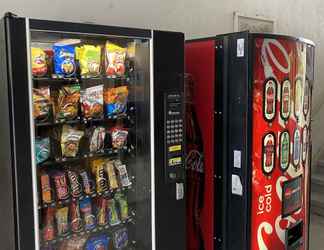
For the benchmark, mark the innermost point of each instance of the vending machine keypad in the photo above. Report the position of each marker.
(174, 137)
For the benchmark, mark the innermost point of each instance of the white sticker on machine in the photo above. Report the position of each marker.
(179, 191)
(237, 158)
(240, 47)
(237, 187)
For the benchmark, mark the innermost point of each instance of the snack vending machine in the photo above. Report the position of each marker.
(91, 137)
(254, 95)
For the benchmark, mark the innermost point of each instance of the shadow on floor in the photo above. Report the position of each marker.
(316, 233)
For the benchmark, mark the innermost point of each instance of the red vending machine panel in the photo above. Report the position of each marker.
(280, 144)
(200, 64)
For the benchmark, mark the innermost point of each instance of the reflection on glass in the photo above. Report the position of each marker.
(90, 116)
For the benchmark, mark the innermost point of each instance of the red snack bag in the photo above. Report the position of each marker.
(119, 137)
(61, 186)
(115, 59)
(48, 230)
(75, 215)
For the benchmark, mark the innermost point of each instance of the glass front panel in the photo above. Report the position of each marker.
(92, 148)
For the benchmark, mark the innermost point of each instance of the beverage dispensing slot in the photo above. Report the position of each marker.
(173, 136)
(294, 236)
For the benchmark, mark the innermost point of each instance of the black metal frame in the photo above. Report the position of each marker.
(46, 25)
(168, 77)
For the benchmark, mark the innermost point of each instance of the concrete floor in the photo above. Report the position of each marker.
(317, 233)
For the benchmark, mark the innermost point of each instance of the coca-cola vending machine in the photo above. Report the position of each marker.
(254, 106)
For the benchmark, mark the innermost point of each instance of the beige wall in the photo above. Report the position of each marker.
(196, 18)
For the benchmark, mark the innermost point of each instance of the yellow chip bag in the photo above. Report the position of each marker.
(39, 65)
(89, 57)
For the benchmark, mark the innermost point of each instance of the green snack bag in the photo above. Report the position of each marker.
(112, 213)
(123, 205)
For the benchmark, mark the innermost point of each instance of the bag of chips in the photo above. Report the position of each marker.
(112, 178)
(67, 102)
(115, 59)
(64, 58)
(97, 139)
(70, 140)
(119, 137)
(75, 184)
(99, 171)
(41, 103)
(75, 243)
(116, 100)
(92, 102)
(102, 213)
(89, 57)
(122, 173)
(86, 210)
(39, 62)
(120, 238)
(100, 242)
(75, 217)
(48, 230)
(61, 185)
(87, 182)
(123, 206)
(62, 220)
(42, 149)
(47, 193)
(113, 217)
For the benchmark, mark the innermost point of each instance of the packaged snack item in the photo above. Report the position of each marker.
(123, 205)
(62, 220)
(122, 173)
(41, 103)
(75, 185)
(87, 182)
(116, 100)
(42, 149)
(100, 242)
(112, 213)
(92, 101)
(120, 238)
(67, 102)
(64, 58)
(48, 230)
(39, 65)
(70, 140)
(115, 59)
(47, 196)
(75, 243)
(75, 216)
(99, 171)
(89, 57)
(112, 178)
(86, 210)
(97, 139)
(119, 137)
(102, 211)
(61, 186)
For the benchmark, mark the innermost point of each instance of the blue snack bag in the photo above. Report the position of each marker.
(42, 148)
(64, 58)
(88, 216)
(100, 242)
(120, 238)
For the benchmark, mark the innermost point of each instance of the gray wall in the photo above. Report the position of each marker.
(196, 18)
